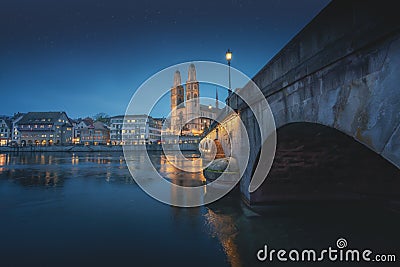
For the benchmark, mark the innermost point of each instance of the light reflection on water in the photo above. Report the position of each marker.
(84, 209)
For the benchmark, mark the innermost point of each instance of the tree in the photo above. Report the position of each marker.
(102, 117)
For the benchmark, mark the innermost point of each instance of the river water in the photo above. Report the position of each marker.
(84, 209)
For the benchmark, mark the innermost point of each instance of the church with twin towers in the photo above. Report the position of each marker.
(188, 115)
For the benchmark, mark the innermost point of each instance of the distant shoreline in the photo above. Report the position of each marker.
(98, 148)
(70, 148)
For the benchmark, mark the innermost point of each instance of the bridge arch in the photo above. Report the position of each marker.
(318, 162)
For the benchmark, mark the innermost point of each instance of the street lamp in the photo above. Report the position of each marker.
(228, 56)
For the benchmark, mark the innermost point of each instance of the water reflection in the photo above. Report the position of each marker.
(101, 218)
(4, 160)
(223, 227)
(176, 175)
(30, 169)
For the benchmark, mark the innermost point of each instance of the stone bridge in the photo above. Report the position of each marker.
(334, 91)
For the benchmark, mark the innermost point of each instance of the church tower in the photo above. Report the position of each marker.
(177, 92)
(177, 98)
(192, 100)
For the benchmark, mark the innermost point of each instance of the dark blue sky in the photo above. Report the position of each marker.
(86, 57)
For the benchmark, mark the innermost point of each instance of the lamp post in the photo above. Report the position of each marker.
(228, 56)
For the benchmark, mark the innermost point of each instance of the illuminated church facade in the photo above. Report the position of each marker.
(188, 115)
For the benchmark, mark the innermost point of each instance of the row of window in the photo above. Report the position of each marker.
(36, 126)
(136, 136)
(119, 126)
(128, 120)
(94, 138)
(119, 137)
(42, 126)
(39, 135)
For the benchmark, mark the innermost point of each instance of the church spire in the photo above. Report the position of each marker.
(216, 97)
(177, 78)
(192, 73)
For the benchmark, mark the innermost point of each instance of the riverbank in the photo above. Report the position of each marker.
(98, 148)
(71, 148)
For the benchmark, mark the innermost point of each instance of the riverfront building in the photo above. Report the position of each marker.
(78, 126)
(95, 134)
(5, 131)
(16, 135)
(44, 128)
(135, 129)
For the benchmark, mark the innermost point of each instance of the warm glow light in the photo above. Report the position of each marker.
(228, 55)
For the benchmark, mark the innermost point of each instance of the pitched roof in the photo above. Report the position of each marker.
(7, 121)
(99, 125)
(41, 117)
(129, 116)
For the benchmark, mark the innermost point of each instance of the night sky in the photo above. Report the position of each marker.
(86, 57)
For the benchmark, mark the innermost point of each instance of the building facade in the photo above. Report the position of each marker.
(78, 126)
(135, 129)
(16, 135)
(44, 128)
(95, 134)
(5, 131)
